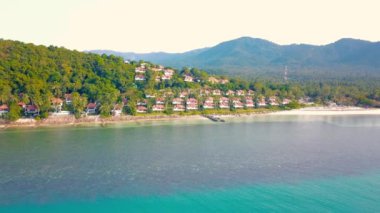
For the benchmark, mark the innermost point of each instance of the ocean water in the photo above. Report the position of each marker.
(260, 164)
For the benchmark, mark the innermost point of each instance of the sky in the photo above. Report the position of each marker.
(182, 25)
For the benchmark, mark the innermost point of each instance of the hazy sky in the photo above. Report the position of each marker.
(181, 25)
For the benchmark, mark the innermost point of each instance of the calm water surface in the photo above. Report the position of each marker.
(266, 163)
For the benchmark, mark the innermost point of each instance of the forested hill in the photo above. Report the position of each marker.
(41, 77)
(257, 57)
(31, 73)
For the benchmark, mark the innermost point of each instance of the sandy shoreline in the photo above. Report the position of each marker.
(70, 121)
(329, 111)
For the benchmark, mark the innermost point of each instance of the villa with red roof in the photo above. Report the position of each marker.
(4, 109)
(209, 103)
(68, 98)
(224, 103)
(177, 101)
(91, 108)
(178, 108)
(273, 101)
(216, 92)
(188, 78)
(191, 104)
(31, 110)
(249, 102)
(141, 109)
(140, 77)
(158, 108)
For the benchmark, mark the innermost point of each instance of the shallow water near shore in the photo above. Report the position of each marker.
(264, 162)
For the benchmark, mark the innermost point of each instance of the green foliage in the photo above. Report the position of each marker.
(78, 104)
(294, 105)
(14, 112)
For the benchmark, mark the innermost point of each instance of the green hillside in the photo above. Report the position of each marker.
(43, 77)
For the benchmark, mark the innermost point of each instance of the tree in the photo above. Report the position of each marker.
(14, 112)
(78, 103)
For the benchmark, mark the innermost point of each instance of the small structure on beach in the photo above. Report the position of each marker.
(56, 104)
(91, 108)
(141, 109)
(4, 109)
(31, 110)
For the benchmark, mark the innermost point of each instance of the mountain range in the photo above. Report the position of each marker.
(254, 57)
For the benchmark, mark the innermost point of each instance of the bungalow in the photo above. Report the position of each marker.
(168, 72)
(250, 93)
(177, 101)
(158, 68)
(285, 101)
(223, 81)
(21, 104)
(236, 103)
(140, 77)
(213, 80)
(142, 103)
(57, 104)
(31, 110)
(117, 110)
(249, 102)
(188, 78)
(160, 101)
(306, 101)
(91, 108)
(209, 103)
(240, 93)
(178, 108)
(140, 70)
(141, 109)
(158, 108)
(273, 101)
(205, 92)
(216, 92)
(4, 109)
(166, 77)
(191, 104)
(261, 102)
(68, 99)
(224, 103)
(230, 93)
(183, 94)
(148, 95)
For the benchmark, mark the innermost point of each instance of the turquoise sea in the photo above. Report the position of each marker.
(267, 163)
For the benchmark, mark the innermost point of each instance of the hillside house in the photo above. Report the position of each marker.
(91, 108)
(158, 108)
(31, 110)
(68, 99)
(140, 77)
(141, 109)
(4, 109)
(178, 108)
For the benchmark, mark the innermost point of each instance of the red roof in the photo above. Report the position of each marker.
(56, 101)
(4, 107)
(91, 106)
(21, 104)
(68, 96)
(31, 108)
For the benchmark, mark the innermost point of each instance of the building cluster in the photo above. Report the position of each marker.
(185, 100)
(163, 73)
(207, 99)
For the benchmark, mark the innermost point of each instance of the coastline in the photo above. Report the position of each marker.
(70, 121)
